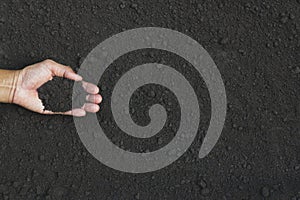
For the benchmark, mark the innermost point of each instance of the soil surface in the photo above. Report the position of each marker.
(56, 95)
(255, 45)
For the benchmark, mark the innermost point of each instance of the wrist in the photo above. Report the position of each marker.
(8, 85)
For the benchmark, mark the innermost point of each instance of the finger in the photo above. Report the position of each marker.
(90, 88)
(91, 107)
(60, 70)
(47, 112)
(77, 112)
(72, 76)
(94, 98)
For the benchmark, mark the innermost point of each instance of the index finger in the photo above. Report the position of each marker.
(90, 87)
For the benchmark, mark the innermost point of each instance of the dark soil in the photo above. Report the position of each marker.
(56, 94)
(255, 45)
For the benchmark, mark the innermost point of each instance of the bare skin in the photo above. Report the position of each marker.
(34, 76)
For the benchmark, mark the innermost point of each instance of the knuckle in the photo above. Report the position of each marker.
(48, 62)
(69, 68)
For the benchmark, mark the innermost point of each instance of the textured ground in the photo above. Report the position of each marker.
(255, 45)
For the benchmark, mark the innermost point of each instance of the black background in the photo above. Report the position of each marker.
(255, 45)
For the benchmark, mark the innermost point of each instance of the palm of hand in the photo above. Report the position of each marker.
(34, 76)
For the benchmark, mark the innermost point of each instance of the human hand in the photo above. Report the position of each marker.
(34, 76)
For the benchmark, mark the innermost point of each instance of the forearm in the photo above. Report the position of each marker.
(8, 84)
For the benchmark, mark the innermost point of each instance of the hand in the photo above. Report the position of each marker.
(34, 76)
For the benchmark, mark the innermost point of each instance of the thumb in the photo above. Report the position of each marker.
(62, 71)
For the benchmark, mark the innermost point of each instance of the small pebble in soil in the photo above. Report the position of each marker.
(205, 191)
(265, 191)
